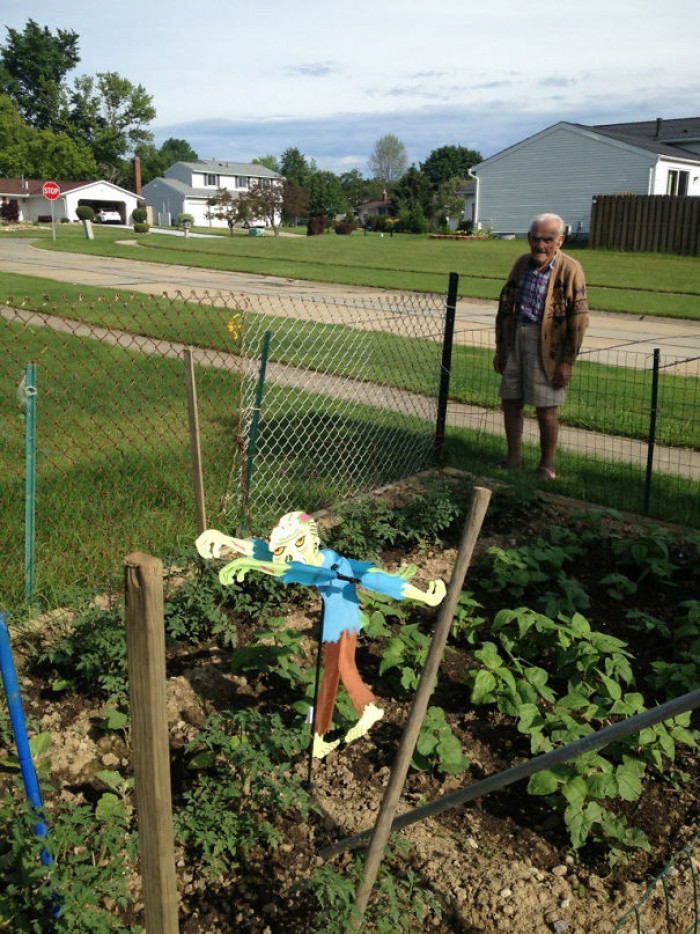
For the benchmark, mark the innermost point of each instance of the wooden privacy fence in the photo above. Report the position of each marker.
(646, 223)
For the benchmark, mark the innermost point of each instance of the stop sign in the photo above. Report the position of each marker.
(51, 190)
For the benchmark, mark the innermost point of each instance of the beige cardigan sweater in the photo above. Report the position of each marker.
(565, 316)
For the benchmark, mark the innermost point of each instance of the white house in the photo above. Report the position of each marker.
(26, 193)
(561, 169)
(187, 187)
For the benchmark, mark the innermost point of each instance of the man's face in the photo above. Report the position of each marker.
(545, 240)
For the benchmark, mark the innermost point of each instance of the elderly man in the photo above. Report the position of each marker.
(542, 317)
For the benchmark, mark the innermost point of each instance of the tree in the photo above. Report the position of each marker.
(110, 114)
(388, 160)
(225, 206)
(270, 162)
(413, 190)
(57, 155)
(326, 195)
(358, 190)
(264, 199)
(295, 204)
(155, 161)
(449, 199)
(295, 167)
(35, 63)
(24, 150)
(449, 162)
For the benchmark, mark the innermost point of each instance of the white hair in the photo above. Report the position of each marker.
(548, 218)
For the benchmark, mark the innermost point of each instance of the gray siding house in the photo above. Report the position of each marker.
(563, 167)
(187, 186)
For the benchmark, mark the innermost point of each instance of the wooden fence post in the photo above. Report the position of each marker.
(145, 646)
(195, 451)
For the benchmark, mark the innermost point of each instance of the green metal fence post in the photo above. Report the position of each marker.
(652, 431)
(256, 417)
(446, 366)
(30, 481)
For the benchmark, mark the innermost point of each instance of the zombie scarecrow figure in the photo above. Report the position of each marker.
(294, 556)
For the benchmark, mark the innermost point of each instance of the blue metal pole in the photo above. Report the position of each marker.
(30, 482)
(19, 729)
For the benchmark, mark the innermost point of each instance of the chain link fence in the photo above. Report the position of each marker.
(630, 426)
(300, 402)
(295, 407)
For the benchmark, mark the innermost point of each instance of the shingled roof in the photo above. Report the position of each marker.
(664, 137)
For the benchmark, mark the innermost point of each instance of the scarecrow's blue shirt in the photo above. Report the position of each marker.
(341, 606)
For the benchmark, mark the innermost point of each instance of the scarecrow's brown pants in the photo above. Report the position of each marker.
(340, 665)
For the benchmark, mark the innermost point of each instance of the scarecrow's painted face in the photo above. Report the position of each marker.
(295, 538)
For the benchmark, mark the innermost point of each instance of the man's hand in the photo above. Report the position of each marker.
(562, 376)
(498, 363)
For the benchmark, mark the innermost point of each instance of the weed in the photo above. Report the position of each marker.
(243, 784)
(91, 852)
(398, 902)
(89, 657)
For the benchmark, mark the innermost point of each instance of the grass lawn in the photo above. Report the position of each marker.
(636, 283)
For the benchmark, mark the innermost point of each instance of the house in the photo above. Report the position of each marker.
(27, 194)
(187, 187)
(563, 167)
(382, 208)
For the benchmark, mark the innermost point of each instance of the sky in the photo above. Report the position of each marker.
(239, 79)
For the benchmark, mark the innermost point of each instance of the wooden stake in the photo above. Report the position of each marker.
(195, 450)
(387, 809)
(145, 646)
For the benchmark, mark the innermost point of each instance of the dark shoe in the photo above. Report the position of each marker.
(543, 473)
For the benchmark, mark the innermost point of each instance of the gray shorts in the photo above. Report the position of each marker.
(523, 376)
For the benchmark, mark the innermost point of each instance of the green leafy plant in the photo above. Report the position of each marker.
(243, 785)
(276, 649)
(88, 656)
(406, 652)
(91, 853)
(398, 901)
(437, 746)
(193, 611)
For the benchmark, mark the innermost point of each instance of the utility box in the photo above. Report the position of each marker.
(256, 232)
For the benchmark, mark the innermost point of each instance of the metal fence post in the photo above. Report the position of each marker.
(652, 430)
(30, 483)
(446, 364)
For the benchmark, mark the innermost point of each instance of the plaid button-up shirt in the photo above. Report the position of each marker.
(532, 293)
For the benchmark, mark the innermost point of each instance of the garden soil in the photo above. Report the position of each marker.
(499, 864)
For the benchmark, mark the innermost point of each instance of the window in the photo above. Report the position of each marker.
(677, 182)
(241, 181)
(211, 180)
(265, 182)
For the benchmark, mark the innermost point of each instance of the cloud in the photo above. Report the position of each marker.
(557, 81)
(343, 141)
(312, 70)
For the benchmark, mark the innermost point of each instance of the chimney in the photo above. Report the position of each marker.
(137, 176)
(659, 121)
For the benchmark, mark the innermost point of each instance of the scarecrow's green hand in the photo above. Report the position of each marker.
(238, 569)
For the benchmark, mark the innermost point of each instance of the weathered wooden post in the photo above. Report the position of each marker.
(145, 646)
(387, 809)
(195, 450)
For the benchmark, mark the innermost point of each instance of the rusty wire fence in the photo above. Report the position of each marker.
(294, 405)
(630, 426)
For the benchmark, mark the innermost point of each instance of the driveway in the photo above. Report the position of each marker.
(611, 338)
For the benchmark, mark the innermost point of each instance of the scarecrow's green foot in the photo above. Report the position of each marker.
(369, 717)
(321, 748)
